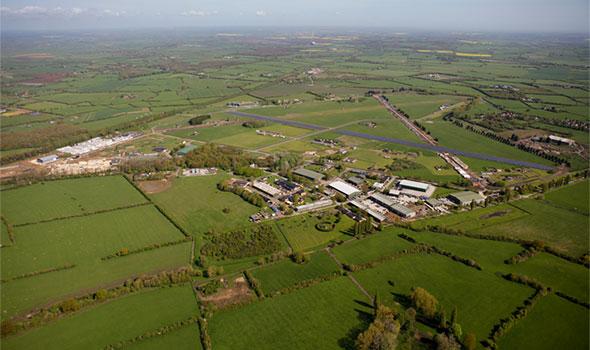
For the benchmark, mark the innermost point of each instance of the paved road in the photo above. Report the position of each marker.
(425, 146)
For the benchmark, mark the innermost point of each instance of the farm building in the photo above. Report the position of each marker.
(310, 174)
(344, 188)
(402, 211)
(375, 214)
(434, 203)
(185, 150)
(315, 205)
(266, 188)
(393, 206)
(466, 197)
(355, 180)
(415, 189)
(47, 159)
(561, 140)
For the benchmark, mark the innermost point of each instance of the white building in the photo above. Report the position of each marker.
(266, 188)
(344, 188)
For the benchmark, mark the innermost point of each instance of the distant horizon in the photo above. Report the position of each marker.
(486, 16)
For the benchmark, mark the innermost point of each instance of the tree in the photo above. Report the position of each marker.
(470, 342)
(382, 333)
(424, 302)
(454, 315)
(446, 342)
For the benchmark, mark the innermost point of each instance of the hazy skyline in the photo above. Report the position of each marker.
(463, 15)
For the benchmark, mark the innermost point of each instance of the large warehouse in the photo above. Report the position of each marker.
(310, 174)
(344, 188)
(415, 189)
(466, 197)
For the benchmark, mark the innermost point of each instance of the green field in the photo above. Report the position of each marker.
(481, 297)
(196, 204)
(23, 294)
(318, 317)
(554, 323)
(562, 229)
(302, 234)
(84, 239)
(286, 273)
(114, 321)
(54, 199)
(372, 247)
(574, 197)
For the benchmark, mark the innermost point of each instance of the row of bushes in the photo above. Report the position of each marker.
(39, 272)
(9, 228)
(420, 248)
(522, 256)
(573, 299)
(125, 251)
(44, 315)
(81, 215)
(204, 332)
(506, 324)
(254, 284)
(250, 197)
(306, 283)
(582, 260)
(159, 332)
(210, 287)
(198, 120)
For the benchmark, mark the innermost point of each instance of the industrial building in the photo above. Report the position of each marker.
(315, 205)
(416, 189)
(393, 206)
(310, 174)
(47, 159)
(355, 180)
(375, 214)
(466, 197)
(344, 188)
(266, 188)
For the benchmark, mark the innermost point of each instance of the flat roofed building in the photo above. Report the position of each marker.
(413, 185)
(47, 159)
(344, 188)
(466, 197)
(434, 203)
(266, 188)
(315, 205)
(356, 180)
(310, 174)
(402, 210)
(382, 199)
(376, 215)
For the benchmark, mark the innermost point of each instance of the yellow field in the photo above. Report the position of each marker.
(15, 112)
(468, 54)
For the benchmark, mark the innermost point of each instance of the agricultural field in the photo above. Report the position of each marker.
(197, 205)
(373, 247)
(303, 319)
(64, 198)
(573, 197)
(480, 297)
(112, 322)
(287, 273)
(553, 323)
(302, 234)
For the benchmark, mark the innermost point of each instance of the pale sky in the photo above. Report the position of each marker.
(444, 15)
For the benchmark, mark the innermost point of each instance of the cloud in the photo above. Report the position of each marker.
(43, 12)
(261, 13)
(199, 13)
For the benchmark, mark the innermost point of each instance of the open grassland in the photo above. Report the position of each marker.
(372, 247)
(286, 273)
(480, 297)
(302, 234)
(562, 275)
(62, 198)
(387, 128)
(470, 221)
(554, 323)
(26, 293)
(185, 338)
(82, 239)
(489, 254)
(318, 317)
(562, 229)
(114, 321)
(417, 106)
(197, 205)
(574, 197)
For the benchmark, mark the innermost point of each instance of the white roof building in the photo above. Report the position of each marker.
(414, 185)
(346, 189)
(315, 205)
(266, 188)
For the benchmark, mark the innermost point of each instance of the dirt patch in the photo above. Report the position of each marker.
(494, 214)
(36, 56)
(239, 292)
(46, 78)
(154, 186)
(16, 112)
